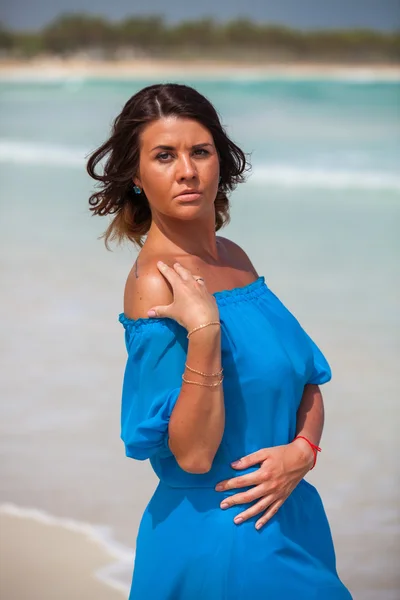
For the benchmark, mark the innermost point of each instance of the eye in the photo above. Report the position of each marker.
(201, 152)
(163, 156)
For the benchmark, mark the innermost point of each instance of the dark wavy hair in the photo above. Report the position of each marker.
(132, 212)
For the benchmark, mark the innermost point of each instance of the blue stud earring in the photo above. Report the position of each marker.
(137, 189)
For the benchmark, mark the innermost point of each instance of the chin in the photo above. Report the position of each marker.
(189, 212)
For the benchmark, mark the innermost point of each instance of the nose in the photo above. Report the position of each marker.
(186, 169)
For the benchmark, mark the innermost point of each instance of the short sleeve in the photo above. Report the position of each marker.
(151, 385)
(320, 371)
(317, 369)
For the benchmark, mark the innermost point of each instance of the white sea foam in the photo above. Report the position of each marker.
(278, 175)
(32, 153)
(295, 177)
(120, 556)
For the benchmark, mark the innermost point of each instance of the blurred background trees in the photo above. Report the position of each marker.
(241, 39)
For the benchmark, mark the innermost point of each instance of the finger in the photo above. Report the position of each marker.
(243, 497)
(169, 274)
(159, 311)
(272, 510)
(241, 481)
(264, 503)
(251, 459)
(185, 274)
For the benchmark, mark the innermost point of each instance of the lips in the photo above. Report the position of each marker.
(188, 192)
(189, 195)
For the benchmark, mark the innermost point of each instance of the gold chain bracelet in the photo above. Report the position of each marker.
(205, 384)
(201, 327)
(205, 374)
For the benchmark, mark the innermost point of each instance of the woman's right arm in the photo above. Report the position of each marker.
(197, 421)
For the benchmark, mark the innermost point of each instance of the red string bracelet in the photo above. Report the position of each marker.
(315, 448)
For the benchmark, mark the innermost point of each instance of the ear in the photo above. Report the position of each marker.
(137, 181)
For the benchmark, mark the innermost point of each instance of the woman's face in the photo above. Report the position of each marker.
(178, 155)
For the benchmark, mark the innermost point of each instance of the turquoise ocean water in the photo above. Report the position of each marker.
(319, 217)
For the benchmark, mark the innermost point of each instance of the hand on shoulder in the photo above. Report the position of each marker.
(144, 288)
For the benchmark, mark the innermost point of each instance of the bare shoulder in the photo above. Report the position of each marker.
(237, 255)
(145, 287)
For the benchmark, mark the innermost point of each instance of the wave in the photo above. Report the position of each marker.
(277, 175)
(121, 556)
(32, 153)
(299, 177)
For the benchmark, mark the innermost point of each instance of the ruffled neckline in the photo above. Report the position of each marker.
(222, 297)
(241, 290)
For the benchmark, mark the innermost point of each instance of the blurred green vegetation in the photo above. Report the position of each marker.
(238, 40)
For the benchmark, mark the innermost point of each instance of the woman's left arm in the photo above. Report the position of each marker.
(310, 422)
(281, 467)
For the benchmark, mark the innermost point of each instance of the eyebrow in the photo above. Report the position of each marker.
(162, 147)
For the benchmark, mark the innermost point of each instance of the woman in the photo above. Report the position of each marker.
(218, 370)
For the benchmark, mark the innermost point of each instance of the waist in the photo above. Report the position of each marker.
(210, 488)
(206, 497)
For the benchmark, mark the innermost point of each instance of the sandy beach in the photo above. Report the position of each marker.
(145, 68)
(43, 560)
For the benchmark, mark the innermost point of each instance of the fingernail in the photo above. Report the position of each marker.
(238, 519)
(224, 505)
(259, 525)
(219, 487)
(151, 313)
(235, 464)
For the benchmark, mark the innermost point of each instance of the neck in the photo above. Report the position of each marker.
(196, 238)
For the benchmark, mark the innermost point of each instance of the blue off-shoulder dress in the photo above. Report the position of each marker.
(187, 547)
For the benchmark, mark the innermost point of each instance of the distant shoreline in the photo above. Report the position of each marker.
(54, 68)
